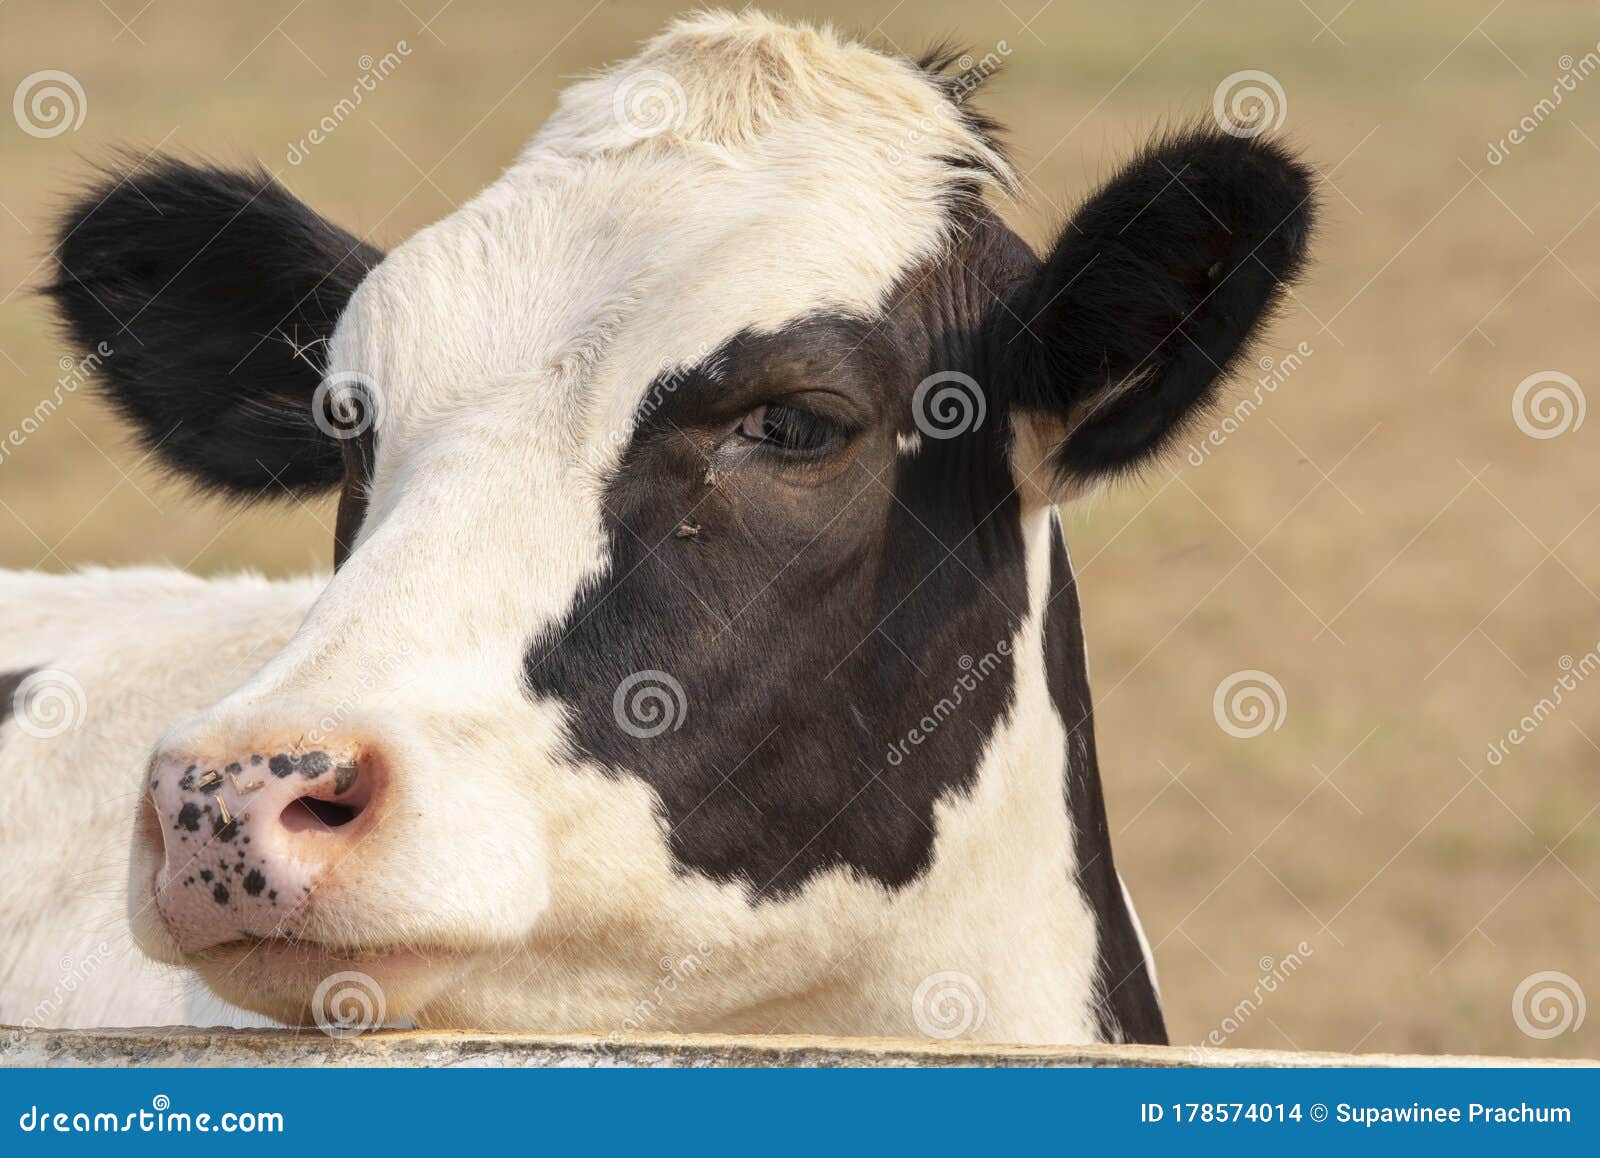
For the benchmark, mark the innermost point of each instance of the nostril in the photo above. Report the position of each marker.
(311, 814)
(316, 811)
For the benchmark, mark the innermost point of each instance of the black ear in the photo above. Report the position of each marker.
(206, 294)
(1154, 289)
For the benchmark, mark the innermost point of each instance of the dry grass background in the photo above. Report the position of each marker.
(1380, 537)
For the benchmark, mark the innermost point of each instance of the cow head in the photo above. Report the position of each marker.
(683, 471)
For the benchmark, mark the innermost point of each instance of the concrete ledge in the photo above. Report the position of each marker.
(185, 1047)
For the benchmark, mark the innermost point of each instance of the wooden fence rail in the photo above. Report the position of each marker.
(282, 1047)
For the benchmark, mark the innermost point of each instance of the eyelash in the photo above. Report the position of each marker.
(788, 429)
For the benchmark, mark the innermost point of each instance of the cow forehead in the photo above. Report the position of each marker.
(735, 176)
(512, 343)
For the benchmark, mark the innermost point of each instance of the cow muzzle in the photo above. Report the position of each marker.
(249, 838)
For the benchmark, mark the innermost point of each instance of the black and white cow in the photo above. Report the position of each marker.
(703, 650)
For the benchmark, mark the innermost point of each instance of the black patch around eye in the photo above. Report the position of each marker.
(781, 686)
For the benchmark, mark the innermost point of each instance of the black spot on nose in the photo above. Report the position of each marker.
(311, 765)
(189, 817)
(219, 893)
(254, 882)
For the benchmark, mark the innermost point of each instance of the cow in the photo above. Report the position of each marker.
(702, 650)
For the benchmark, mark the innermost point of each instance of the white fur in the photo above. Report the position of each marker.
(146, 647)
(1144, 942)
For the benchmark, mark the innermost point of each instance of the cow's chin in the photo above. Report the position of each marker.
(341, 990)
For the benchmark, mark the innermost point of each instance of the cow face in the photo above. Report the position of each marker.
(685, 472)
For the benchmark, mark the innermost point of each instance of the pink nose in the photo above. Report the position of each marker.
(247, 840)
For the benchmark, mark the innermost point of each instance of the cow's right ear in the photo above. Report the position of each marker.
(204, 296)
(1152, 294)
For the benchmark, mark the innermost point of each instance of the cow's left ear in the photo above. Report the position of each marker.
(1151, 293)
(201, 297)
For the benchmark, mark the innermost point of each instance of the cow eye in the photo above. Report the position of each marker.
(789, 428)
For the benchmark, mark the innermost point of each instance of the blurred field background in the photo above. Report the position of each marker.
(1381, 536)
